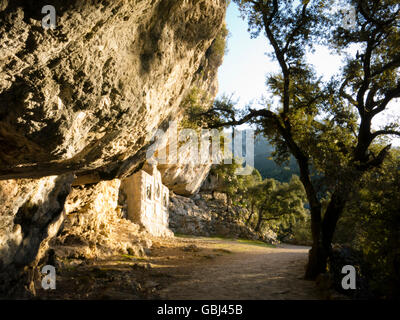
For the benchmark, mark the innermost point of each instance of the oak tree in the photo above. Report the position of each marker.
(324, 124)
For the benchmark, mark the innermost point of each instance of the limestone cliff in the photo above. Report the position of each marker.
(187, 174)
(32, 212)
(86, 95)
(80, 102)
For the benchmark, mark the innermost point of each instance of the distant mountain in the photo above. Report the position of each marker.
(267, 167)
(263, 160)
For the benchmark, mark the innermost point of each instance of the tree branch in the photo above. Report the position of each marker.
(250, 116)
(296, 30)
(367, 77)
(345, 95)
(395, 63)
(280, 55)
(385, 132)
(370, 19)
(390, 94)
(376, 161)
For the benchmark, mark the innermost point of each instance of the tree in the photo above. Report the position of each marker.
(327, 125)
(234, 186)
(280, 204)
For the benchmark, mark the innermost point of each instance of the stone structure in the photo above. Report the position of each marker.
(148, 200)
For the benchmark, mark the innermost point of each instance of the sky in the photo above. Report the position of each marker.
(246, 65)
(243, 72)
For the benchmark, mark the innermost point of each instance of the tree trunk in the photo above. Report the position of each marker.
(332, 215)
(259, 221)
(317, 257)
(322, 247)
(250, 215)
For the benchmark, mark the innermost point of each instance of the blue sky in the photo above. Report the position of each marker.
(246, 65)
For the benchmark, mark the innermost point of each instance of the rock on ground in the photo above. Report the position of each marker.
(203, 216)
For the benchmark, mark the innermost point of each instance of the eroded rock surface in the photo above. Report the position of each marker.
(32, 212)
(187, 172)
(96, 226)
(87, 94)
(84, 100)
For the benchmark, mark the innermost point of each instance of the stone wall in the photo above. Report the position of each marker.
(147, 202)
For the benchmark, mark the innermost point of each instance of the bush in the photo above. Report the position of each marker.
(371, 225)
(302, 232)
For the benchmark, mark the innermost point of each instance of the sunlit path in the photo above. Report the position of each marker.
(250, 271)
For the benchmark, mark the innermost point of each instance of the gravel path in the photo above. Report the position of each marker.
(249, 271)
(191, 269)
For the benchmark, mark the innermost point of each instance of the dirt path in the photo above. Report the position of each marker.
(249, 271)
(190, 268)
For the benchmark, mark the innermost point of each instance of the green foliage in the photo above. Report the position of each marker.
(301, 232)
(280, 205)
(277, 205)
(233, 185)
(195, 103)
(371, 223)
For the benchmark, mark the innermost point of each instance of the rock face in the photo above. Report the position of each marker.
(86, 95)
(31, 213)
(79, 105)
(187, 174)
(184, 179)
(203, 216)
(96, 226)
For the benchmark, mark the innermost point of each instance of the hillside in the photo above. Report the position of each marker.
(269, 168)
